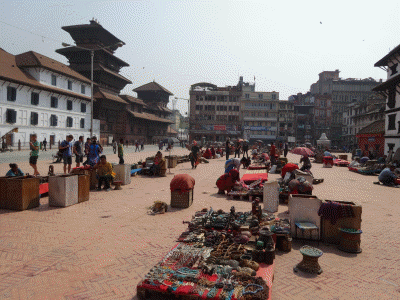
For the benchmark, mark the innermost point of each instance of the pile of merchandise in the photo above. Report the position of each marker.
(221, 256)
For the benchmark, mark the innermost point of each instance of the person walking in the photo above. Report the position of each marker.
(142, 145)
(194, 155)
(66, 149)
(137, 146)
(285, 149)
(121, 151)
(44, 145)
(245, 149)
(34, 155)
(87, 148)
(114, 146)
(228, 148)
(78, 151)
(160, 145)
(272, 153)
(237, 149)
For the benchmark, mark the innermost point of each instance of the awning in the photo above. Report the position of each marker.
(149, 117)
(384, 86)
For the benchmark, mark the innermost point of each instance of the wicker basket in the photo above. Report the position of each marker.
(181, 199)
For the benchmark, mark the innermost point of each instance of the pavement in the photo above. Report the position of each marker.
(102, 248)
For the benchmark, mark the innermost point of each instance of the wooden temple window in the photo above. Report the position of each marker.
(392, 98)
(392, 122)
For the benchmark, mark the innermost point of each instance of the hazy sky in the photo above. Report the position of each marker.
(179, 43)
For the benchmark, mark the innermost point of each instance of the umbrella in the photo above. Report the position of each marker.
(240, 140)
(259, 141)
(302, 151)
(171, 140)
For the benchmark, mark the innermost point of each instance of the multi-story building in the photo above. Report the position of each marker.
(304, 118)
(390, 90)
(285, 120)
(106, 68)
(259, 112)
(323, 114)
(39, 95)
(214, 112)
(342, 92)
(360, 114)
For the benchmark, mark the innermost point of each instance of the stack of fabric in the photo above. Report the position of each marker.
(333, 211)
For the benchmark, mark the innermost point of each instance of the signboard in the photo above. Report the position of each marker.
(258, 128)
(291, 139)
(371, 139)
(262, 136)
(220, 127)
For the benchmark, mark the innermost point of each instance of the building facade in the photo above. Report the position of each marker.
(41, 96)
(214, 112)
(390, 89)
(323, 114)
(259, 114)
(360, 114)
(371, 139)
(286, 121)
(342, 92)
(304, 118)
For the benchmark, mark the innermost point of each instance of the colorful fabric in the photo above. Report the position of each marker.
(94, 154)
(272, 152)
(249, 178)
(226, 182)
(120, 150)
(35, 152)
(333, 211)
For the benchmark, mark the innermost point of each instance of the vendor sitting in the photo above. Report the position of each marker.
(300, 186)
(233, 163)
(156, 167)
(327, 153)
(14, 171)
(364, 159)
(227, 181)
(246, 162)
(306, 163)
(105, 173)
(387, 176)
(207, 154)
(213, 153)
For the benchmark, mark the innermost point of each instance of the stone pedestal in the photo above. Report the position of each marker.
(63, 190)
(122, 173)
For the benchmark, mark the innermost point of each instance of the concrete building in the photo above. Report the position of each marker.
(259, 114)
(304, 118)
(360, 114)
(39, 95)
(286, 121)
(323, 114)
(342, 92)
(214, 112)
(390, 89)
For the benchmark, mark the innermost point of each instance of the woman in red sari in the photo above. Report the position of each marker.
(207, 154)
(227, 181)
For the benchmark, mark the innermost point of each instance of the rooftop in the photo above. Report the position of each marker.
(152, 87)
(377, 127)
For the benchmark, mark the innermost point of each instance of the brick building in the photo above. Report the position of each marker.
(304, 128)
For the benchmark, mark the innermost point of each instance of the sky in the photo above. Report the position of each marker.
(284, 45)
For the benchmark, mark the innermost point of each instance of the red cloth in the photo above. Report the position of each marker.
(249, 178)
(183, 182)
(212, 151)
(43, 188)
(289, 168)
(265, 156)
(272, 152)
(397, 181)
(328, 160)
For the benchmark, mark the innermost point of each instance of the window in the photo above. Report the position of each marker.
(69, 104)
(35, 99)
(53, 80)
(393, 69)
(273, 96)
(11, 116)
(83, 107)
(392, 98)
(70, 85)
(11, 93)
(236, 108)
(34, 118)
(82, 123)
(230, 108)
(392, 122)
(69, 122)
(260, 96)
(54, 102)
(247, 96)
(53, 120)
(83, 89)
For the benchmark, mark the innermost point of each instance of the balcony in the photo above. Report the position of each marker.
(271, 119)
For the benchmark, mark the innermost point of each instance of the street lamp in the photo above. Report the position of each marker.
(119, 44)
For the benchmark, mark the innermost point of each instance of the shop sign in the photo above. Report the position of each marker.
(220, 127)
(371, 139)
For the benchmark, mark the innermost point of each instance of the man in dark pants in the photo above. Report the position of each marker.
(237, 149)
(227, 148)
(44, 144)
(285, 149)
(105, 173)
(245, 149)
(66, 148)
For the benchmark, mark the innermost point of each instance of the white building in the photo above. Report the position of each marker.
(42, 96)
(391, 90)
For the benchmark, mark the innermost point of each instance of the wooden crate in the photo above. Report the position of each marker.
(83, 188)
(330, 232)
(20, 193)
(172, 161)
(181, 200)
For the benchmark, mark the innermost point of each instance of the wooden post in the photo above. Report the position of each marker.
(19, 145)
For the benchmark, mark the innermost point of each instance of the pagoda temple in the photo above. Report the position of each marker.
(108, 106)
